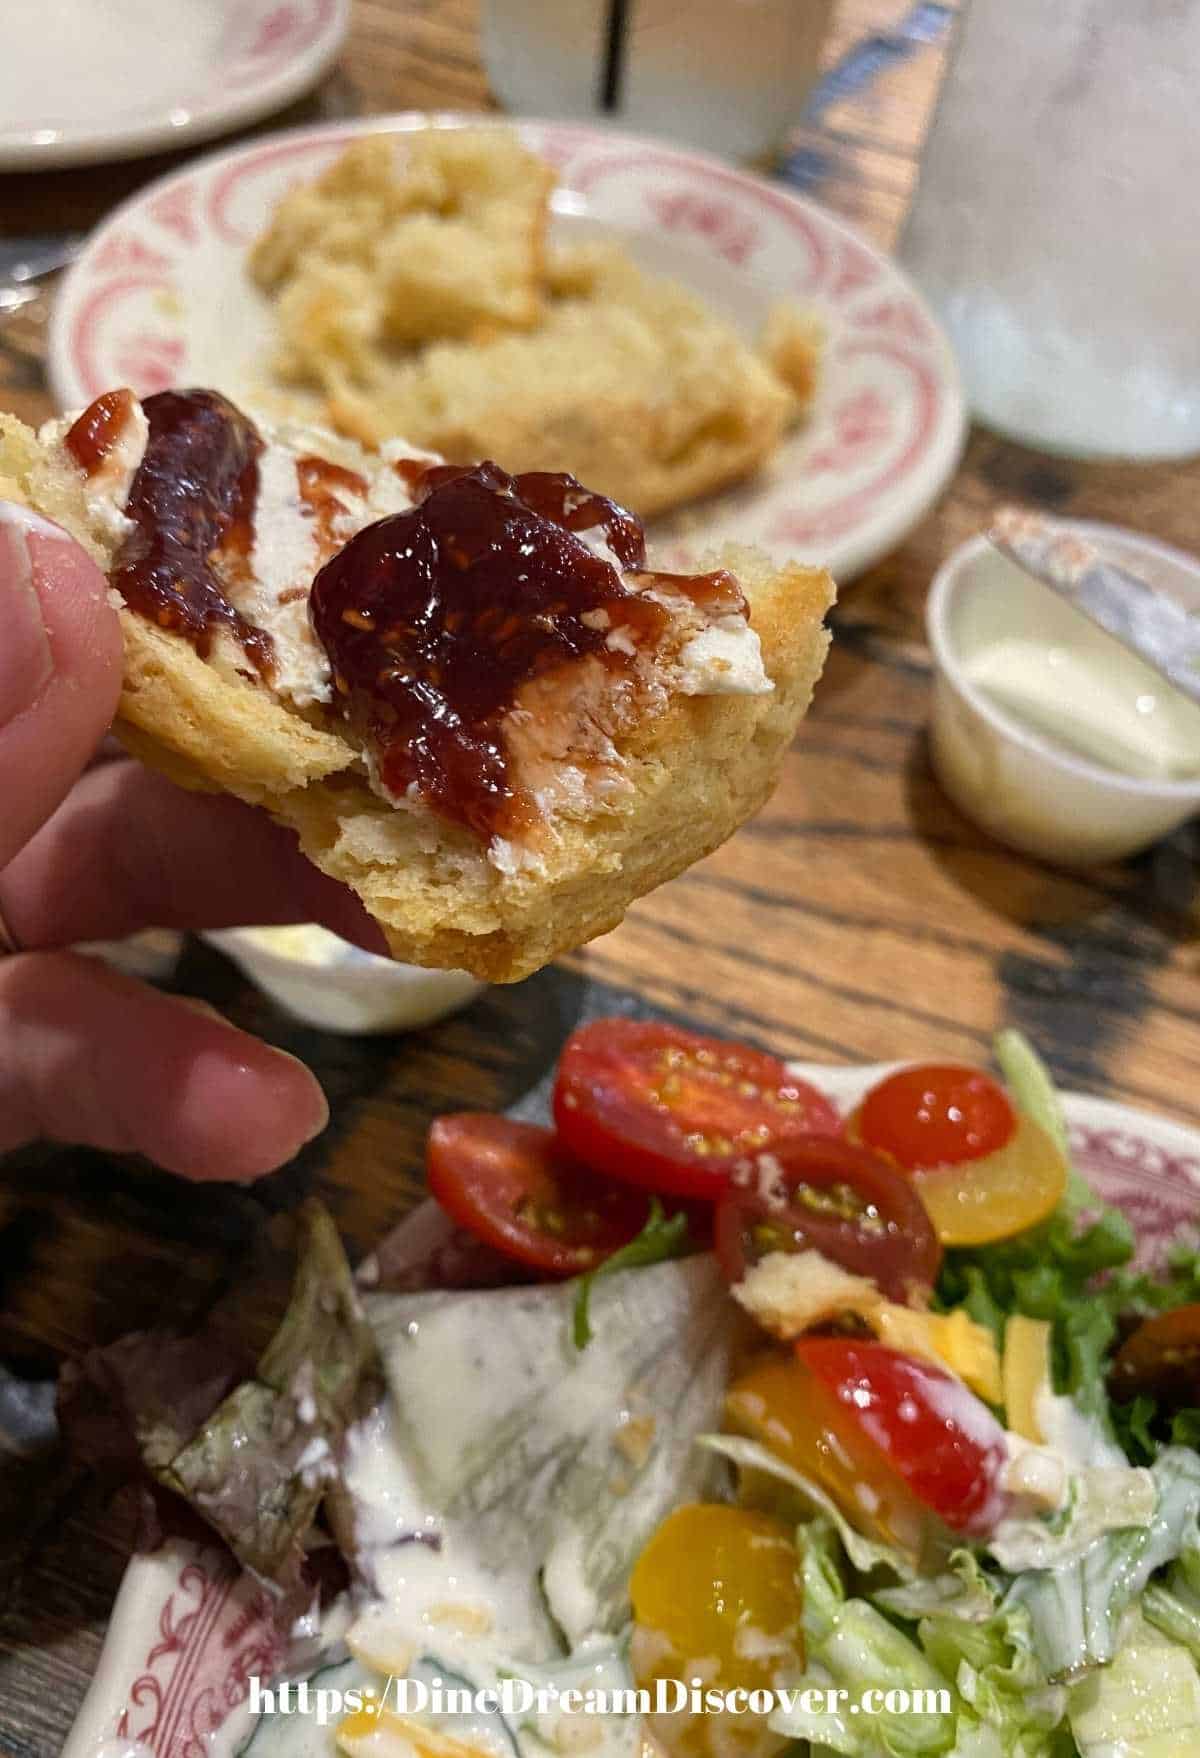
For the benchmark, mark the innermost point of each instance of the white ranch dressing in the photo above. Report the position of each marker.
(431, 1592)
(1073, 1434)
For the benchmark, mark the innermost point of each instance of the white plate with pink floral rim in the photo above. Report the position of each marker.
(113, 79)
(188, 1631)
(160, 296)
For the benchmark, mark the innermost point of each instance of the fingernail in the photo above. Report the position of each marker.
(26, 660)
(320, 1111)
(318, 1105)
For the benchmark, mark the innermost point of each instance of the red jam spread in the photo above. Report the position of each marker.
(192, 505)
(434, 618)
(319, 482)
(557, 497)
(99, 429)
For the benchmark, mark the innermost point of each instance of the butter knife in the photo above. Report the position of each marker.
(1141, 616)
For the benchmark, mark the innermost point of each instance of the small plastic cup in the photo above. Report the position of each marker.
(326, 982)
(1025, 789)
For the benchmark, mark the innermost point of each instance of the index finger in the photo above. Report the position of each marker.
(130, 850)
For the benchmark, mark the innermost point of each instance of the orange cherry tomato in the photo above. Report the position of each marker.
(909, 1454)
(937, 1114)
(983, 1171)
(999, 1196)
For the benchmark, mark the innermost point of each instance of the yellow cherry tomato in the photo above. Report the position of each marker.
(716, 1598)
(1002, 1193)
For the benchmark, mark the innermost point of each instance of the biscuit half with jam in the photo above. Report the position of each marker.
(468, 693)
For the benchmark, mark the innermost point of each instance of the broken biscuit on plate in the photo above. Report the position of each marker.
(413, 291)
(423, 236)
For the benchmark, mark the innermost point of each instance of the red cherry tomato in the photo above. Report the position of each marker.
(936, 1115)
(907, 1452)
(512, 1186)
(819, 1193)
(934, 1433)
(666, 1108)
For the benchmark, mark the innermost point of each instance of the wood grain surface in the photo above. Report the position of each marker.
(859, 917)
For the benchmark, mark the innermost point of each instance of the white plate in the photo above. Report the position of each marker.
(85, 80)
(160, 296)
(188, 1630)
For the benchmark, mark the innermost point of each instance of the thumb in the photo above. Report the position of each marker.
(60, 669)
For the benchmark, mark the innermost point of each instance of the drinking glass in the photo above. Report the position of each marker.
(729, 76)
(1054, 225)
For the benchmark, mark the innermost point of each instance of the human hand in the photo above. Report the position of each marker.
(86, 1054)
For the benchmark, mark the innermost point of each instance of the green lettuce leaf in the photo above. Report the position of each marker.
(524, 1460)
(981, 1656)
(1076, 1612)
(820, 1572)
(1073, 1270)
(1146, 1704)
(997, 1700)
(1000, 1679)
(1175, 1614)
(662, 1237)
(963, 1591)
(1176, 1284)
(1044, 1271)
(863, 1651)
(1172, 1604)
(1032, 1086)
(248, 1448)
(1101, 1499)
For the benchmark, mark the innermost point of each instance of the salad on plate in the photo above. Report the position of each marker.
(726, 1419)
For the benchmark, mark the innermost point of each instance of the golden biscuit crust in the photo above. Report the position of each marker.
(698, 771)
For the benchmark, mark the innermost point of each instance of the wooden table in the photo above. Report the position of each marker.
(859, 917)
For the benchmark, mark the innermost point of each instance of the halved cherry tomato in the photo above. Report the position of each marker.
(819, 1193)
(513, 1186)
(665, 1108)
(1001, 1195)
(907, 1452)
(1162, 1357)
(983, 1171)
(936, 1115)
